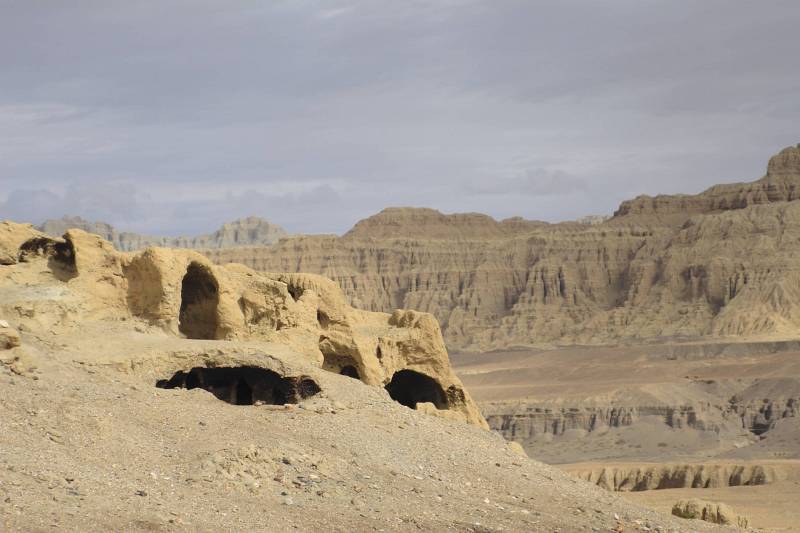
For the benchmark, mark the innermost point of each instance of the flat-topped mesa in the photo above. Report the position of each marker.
(425, 223)
(780, 184)
(250, 231)
(185, 294)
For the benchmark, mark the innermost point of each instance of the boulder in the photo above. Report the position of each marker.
(717, 513)
(9, 338)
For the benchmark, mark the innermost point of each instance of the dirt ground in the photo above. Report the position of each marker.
(90, 444)
(640, 377)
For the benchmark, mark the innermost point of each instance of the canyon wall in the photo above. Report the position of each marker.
(716, 264)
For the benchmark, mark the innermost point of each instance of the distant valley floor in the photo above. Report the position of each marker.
(654, 421)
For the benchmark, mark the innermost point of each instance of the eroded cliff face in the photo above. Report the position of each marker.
(529, 421)
(780, 184)
(714, 264)
(182, 293)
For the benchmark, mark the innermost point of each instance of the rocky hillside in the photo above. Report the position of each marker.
(710, 265)
(248, 231)
(154, 391)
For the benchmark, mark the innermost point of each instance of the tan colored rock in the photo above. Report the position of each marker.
(9, 337)
(12, 238)
(635, 478)
(716, 264)
(517, 448)
(716, 513)
(184, 294)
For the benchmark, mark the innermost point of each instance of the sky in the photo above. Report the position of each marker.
(173, 116)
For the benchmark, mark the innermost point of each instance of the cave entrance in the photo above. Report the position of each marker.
(340, 364)
(410, 388)
(332, 361)
(199, 302)
(244, 385)
(60, 255)
(350, 371)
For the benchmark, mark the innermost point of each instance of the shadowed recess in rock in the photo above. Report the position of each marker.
(345, 365)
(350, 371)
(199, 301)
(244, 385)
(410, 388)
(60, 255)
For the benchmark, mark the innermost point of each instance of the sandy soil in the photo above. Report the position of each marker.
(90, 444)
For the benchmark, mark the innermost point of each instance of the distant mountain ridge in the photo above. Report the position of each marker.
(717, 264)
(250, 231)
(721, 263)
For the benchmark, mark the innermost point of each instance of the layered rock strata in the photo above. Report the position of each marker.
(636, 478)
(716, 264)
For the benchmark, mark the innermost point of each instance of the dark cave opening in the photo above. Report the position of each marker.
(335, 361)
(350, 371)
(244, 393)
(199, 302)
(244, 385)
(60, 255)
(410, 388)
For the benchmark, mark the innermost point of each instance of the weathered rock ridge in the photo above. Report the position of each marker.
(529, 421)
(625, 478)
(248, 231)
(714, 512)
(183, 293)
(780, 184)
(716, 264)
(713, 265)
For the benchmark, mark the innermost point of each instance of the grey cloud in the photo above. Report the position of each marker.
(534, 182)
(128, 208)
(446, 104)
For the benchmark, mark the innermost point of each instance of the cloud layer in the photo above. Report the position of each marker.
(172, 117)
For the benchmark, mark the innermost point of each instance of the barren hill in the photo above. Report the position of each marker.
(155, 391)
(710, 265)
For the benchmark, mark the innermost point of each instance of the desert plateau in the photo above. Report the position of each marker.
(356, 266)
(669, 374)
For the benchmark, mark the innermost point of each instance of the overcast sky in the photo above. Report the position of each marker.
(174, 116)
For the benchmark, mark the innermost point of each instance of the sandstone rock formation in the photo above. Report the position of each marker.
(780, 184)
(624, 478)
(248, 231)
(716, 513)
(711, 265)
(157, 391)
(529, 421)
(9, 337)
(183, 293)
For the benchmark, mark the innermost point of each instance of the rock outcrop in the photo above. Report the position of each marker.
(626, 478)
(9, 337)
(183, 293)
(712, 265)
(780, 184)
(527, 421)
(250, 231)
(714, 512)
